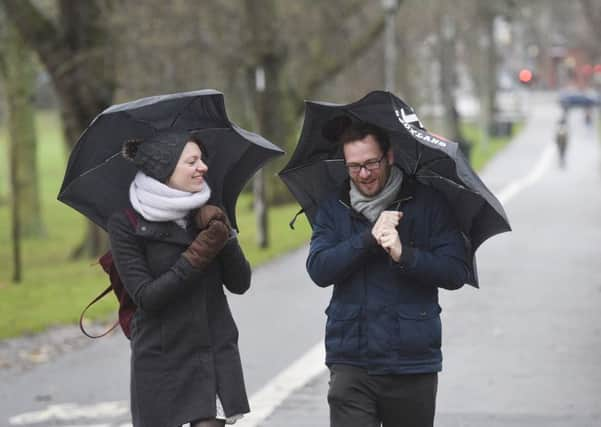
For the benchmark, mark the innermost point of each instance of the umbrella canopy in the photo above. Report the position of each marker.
(578, 99)
(317, 169)
(97, 178)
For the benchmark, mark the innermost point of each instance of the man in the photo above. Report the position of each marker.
(385, 243)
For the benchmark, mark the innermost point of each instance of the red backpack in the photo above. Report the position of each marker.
(127, 308)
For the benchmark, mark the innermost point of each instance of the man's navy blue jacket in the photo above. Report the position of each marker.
(384, 315)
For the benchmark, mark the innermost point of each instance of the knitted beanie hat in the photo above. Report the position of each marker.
(158, 155)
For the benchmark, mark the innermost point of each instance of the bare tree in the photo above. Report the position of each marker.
(17, 72)
(271, 57)
(76, 52)
(216, 45)
(18, 75)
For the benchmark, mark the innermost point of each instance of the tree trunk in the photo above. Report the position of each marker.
(406, 70)
(488, 52)
(19, 76)
(492, 62)
(78, 57)
(267, 61)
(16, 227)
(260, 208)
(447, 78)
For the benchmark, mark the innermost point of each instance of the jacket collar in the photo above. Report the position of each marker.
(406, 193)
(167, 231)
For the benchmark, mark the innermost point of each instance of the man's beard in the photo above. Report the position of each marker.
(381, 180)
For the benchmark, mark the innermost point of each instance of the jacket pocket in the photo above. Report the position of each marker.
(342, 330)
(419, 329)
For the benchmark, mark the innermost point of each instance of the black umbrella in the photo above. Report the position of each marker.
(97, 179)
(316, 167)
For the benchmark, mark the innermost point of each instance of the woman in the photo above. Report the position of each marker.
(185, 365)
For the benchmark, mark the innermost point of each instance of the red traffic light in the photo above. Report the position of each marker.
(525, 75)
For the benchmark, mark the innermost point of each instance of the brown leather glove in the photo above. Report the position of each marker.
(207, 244)
(209, 213)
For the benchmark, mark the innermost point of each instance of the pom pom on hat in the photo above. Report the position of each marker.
(130, 148)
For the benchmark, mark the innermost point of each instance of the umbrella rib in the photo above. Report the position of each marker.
(433, 161)
(304, 165)
(419, 157)
(463, 187)
(182, 111)
(101, 164)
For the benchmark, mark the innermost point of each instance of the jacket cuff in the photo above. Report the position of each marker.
(233, 235)
(407, 260)
(231, 246)
(183, 268)
(363, 240)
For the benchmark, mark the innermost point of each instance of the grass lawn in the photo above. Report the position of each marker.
(481, 153)
(54, 289)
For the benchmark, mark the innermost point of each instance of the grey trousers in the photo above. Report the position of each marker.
(357, 399)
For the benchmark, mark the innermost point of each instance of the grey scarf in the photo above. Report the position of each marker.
(371, 207)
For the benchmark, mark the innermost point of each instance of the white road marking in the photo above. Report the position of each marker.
(262, 403)
(516, 186)
(295, 376)
(92, 425)
(72, 411)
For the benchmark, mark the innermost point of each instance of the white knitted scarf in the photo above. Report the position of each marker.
(371, 207)
(156, 201)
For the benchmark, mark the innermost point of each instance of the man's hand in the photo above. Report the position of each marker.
(391, 243)
(387, 219)
(384, 231)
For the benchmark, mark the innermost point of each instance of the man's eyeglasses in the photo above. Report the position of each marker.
(370, 165)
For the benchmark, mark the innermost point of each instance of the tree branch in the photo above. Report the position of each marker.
(37, 31)
(334, 67)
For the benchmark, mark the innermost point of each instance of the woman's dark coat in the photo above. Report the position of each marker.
(184, 339)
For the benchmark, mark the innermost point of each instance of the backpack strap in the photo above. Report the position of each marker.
(133, 220)
(83, 313)
(131, 216)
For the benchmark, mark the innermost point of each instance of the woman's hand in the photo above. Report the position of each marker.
(209, 213)
(207, 244)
